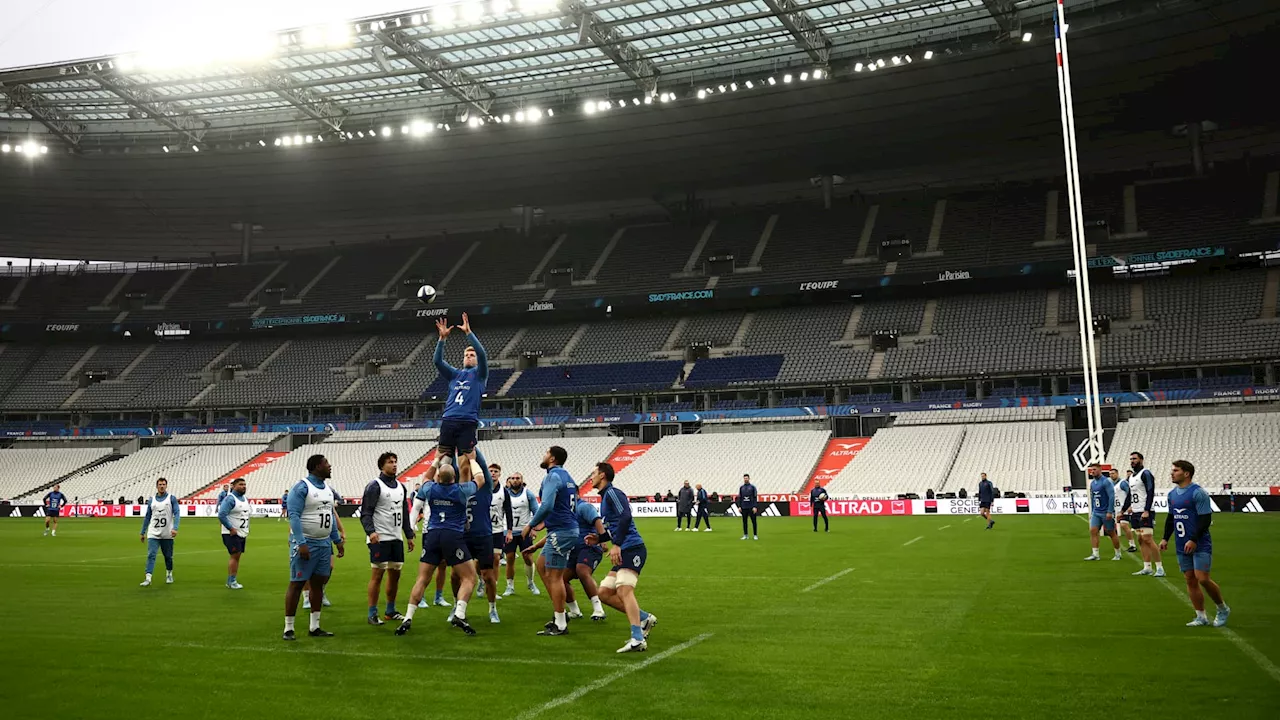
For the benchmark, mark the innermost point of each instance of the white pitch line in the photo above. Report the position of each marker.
(911, 541)
(826, 580)
(293, 649)
(944, 527)
(607, 679)
(135, 556)
(1262, 661)
(968, 519)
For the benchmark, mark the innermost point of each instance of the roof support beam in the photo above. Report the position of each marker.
(63, 126)
(309, 102)
(809, 37)
(1005, 13)
(192, 127)
(458, 83)
(614, 45)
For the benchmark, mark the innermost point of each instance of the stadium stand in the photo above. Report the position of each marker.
(1237, 448)
(909, 459)
(618, 377)
(523, 455)
(974, 415)
(1026, 457)
(26, 469)
(779, 461)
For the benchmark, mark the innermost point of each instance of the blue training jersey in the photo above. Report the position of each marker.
(587, 515)
(479, 515)
(556, 501)
(466, 385)
(446, 505)
(1186, 506)
(1102, 496)
(55, 500)
(986, 491)
(616, 509)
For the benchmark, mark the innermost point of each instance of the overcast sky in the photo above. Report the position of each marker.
(41, 32)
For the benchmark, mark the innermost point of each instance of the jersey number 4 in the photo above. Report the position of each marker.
(459, 400)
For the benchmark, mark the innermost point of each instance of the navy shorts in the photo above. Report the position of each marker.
(499, 539)
(481, 549)
(444, 547)
(458, 434)
(633, 559)
(1135, 520)
(320, 564)
(53, 512)
(234, 543)
(984, 506)
(519, 542)
(387, 551)
(591, 556)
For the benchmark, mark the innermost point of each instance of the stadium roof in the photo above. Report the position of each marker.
(473, 61)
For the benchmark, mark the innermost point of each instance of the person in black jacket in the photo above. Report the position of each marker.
(704, 510)
(684, 507)
(747, 498)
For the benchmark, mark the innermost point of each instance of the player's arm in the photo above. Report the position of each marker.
(445, 369)
(1168, 531)
(419, 504)
(177, 517)
(1204, 515)
(146, 521)
(224, 513)
(482, 357)
(508, 514)
(368, 502)
(1149, 482)
(407, 524)
(484, 466)
(1109, 499)
(544, 508)
(297, 501)
(619, 503)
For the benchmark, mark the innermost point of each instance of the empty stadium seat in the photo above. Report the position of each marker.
(779, 461)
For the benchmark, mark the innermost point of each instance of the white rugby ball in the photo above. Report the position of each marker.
(426, 293)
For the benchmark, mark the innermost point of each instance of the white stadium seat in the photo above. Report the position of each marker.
(1242, 449)
(779, 461)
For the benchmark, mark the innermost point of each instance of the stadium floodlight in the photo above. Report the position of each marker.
(44, 149)
(447, 127)
(276, 142)
(604, 105)
(750, 85)
(722, 89)
(195, 148)
(551, 112)
(589, 107)
(5, 148)
(635, 101)
(702, 95)
(319, 138)
(473, 12)
(535, 114)
(506, 117)
(786, 78)
(312, 37)
(338, 35)
(622, 104)
(896, 60)
(297, 139)
(519, 116)
(773, 80)
(1027, 37)
(17, 148)
(475, 121)
(416, 19)
(880, 62)
(817, 73)
(443, 16)
(648, 99)
(162, 147)
(733, 87)
(310, 139)
(404, 129)
(500, 7)
(804, 76)
(262, 143)
(386, 131)
(907, 58)
(928, 54)
(857, 67)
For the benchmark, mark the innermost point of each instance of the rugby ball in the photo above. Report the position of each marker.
(426, 294)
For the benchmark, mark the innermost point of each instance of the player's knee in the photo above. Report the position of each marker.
(627, 579)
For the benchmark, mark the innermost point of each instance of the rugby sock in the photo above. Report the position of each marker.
(561, 621)
(288, 623)
(574, 607)
(528, 574)
(1160, 566)
(231, 579)
(1095, 552)
(643, 616)
(596, 607)
(413, 608)
(315, 619)
(636, 633)
(1117, 552)
(373, 611)
(1200, 614)
(1146, 566)
(493, 607)
(1222, 607)
(439, 595)
(391, 608)
(460, 610)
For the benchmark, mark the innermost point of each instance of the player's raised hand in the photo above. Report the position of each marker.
(466, 324)
(442, 328)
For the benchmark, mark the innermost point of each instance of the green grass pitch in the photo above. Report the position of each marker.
(960, 623)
